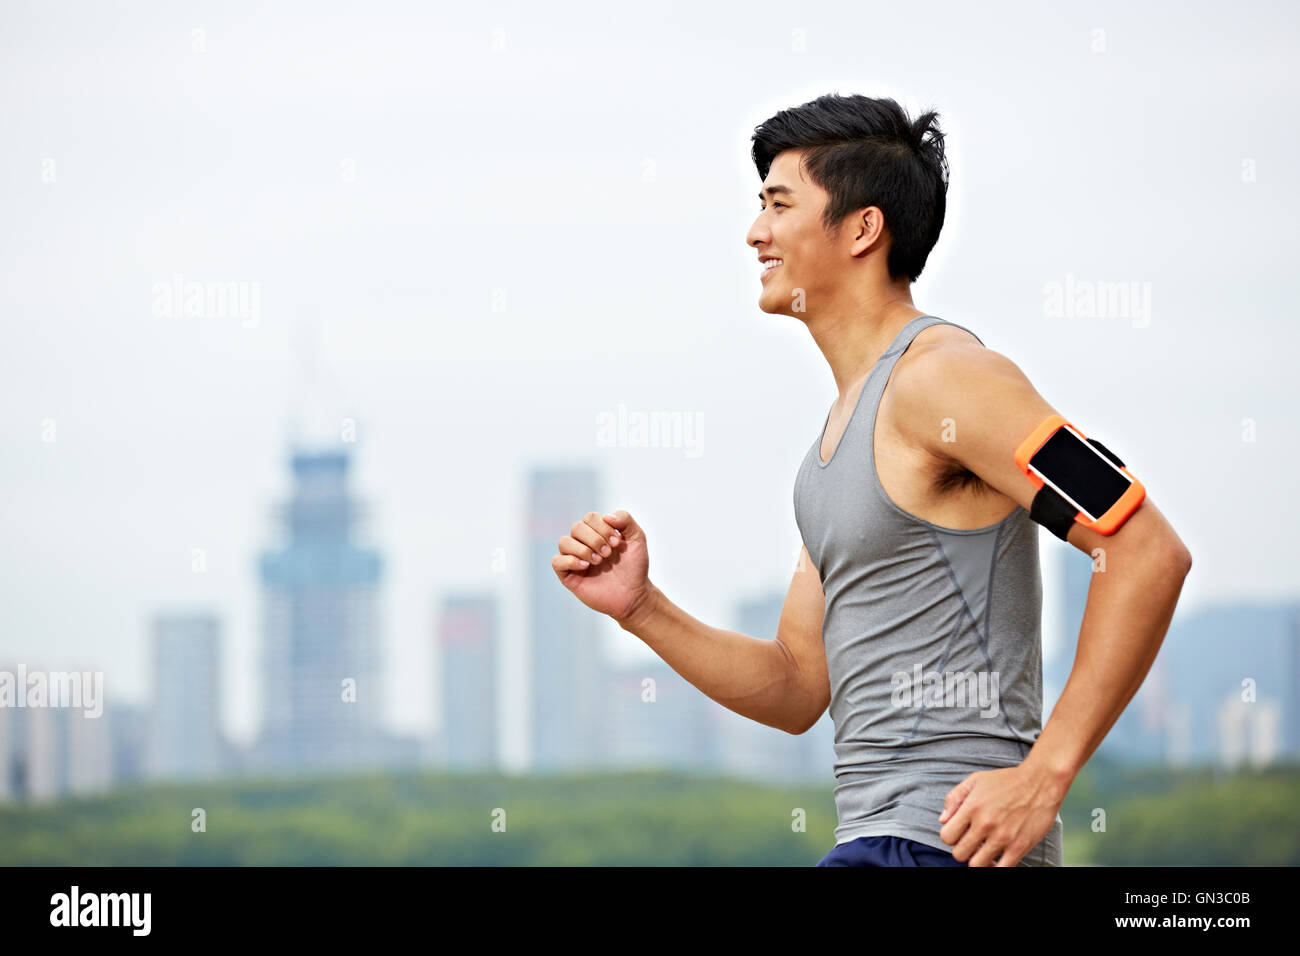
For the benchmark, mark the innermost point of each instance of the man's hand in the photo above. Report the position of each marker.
(605, 563)
(1006, 811)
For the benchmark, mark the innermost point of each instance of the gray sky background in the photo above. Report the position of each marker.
(522, 168)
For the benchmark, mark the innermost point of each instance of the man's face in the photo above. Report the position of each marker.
(789, 229)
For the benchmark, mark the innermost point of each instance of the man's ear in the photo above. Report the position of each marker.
(866, 229)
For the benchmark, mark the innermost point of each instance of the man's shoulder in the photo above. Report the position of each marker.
(928, 366)
(944, 373)
(937, 337)
(945, 359)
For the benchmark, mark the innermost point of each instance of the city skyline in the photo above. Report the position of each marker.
(1190, 709)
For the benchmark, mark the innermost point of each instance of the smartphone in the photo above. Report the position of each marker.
(1073, 467)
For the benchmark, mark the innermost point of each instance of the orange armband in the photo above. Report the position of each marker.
(1078, 479)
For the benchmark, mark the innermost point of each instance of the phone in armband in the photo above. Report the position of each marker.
(1078, 478)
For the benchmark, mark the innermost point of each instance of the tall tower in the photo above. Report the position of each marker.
(322, 692)
(567, 676)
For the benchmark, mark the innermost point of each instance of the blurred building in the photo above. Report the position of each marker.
(322, 684)
(7, 783)
(44, 753)
(1223, 689)
(657, 719)
(185, 741)
(1249, 733)
(89, 752)
(23, 766)
(468, 640)
(129, 740)
(1228, 673)
(52, 750)
(567, 677)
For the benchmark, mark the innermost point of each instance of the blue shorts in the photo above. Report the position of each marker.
(888, 851)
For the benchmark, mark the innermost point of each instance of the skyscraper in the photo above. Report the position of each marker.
(566, 674)
(90, 751)
(52, 748)
(129, 735)
(185, 740)
(45, 753)
(322, 692)
(657, 719)
(468, 641)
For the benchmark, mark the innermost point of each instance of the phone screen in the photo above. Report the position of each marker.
(1080, 472)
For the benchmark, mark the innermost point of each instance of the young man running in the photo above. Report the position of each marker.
(915, 611)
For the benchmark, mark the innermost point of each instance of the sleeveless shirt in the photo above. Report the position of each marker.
(932, 636)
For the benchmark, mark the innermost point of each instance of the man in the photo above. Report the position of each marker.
(915, 611)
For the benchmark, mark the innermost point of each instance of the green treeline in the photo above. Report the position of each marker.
(1152, 816)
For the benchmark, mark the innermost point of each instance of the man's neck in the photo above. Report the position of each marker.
(853, 339)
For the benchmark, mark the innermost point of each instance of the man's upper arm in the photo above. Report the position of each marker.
(970, 404)
(800, 634)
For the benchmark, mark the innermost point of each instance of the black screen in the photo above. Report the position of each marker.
(1080, 471)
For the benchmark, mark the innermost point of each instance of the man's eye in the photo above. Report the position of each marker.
(774, 204)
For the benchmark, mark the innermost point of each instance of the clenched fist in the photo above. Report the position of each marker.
(604, 561)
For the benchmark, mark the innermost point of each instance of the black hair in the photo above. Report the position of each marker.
(867, 152)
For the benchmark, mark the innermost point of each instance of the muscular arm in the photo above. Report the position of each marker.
(782, 683)
(972, 405)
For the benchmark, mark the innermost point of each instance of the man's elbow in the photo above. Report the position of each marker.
(1181, 558)
(1148, 537)
(1156, 548)
(807, 722)
(794, 726)
(1162, 554)
(791, 723)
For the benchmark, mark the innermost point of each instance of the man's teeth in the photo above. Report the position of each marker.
(771, 264)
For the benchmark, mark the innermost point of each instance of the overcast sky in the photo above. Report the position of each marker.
(504, 219)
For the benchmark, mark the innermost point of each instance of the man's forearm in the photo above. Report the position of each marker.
(752, 676)
(1129, 608)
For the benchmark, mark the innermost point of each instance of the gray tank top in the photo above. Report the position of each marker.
(932, 636)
